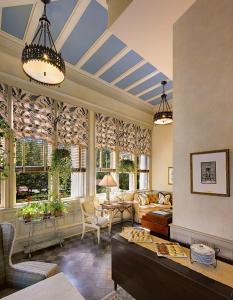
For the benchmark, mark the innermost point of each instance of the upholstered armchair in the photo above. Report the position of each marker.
(92, 217)
(17, 276)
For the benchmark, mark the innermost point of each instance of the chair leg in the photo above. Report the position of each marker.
(98, 235)
(84, 228)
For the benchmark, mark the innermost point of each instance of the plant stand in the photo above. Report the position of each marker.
(54, 239)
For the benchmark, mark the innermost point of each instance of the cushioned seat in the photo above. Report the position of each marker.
(18, 276)
(45, 269)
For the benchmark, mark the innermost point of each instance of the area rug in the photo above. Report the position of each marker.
(120, 294)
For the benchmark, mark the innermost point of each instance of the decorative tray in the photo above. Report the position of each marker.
(169, 250)
(139, 236)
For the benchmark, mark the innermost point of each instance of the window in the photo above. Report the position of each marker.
(143, 163)
(33, 157)
(105, 164)
(76, 184)
(126, 180)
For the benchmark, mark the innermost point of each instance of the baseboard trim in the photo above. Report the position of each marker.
(189, 236)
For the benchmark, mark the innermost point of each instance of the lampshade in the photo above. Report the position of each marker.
(108, 181)
(40, 60)
(164, 115)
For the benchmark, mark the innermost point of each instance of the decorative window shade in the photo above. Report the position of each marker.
(32, 155)
(72, 125)
(33, 115)
(106, 132)
(127, 137)
(3, 102)
(114, 134)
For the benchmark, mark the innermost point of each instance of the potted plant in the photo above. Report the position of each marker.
(127, 166)
(30, 211)
(57, 207)
(61, 165)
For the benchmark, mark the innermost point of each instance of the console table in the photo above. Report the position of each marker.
(146, 276)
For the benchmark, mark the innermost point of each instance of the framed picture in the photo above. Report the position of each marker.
(170, 175)
(210, 173)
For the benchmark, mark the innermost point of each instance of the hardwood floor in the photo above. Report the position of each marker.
(85, 263)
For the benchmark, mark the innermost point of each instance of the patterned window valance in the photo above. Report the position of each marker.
(115, 134)
(72, 125)
(33, 115)
(3, 101)
(40, 117)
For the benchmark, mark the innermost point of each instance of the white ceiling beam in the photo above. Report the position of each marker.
(10, 3)
(141, 80)
(74, 18)
(33, 22)
(159, 96)
(103, 3)
(128, 72)
(148, 90)
(97, 44)
(110, 63)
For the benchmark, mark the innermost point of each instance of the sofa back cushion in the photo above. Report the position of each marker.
(2, 262)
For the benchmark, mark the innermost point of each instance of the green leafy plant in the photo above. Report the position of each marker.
(30, 211)
(6, 133)
(57, 206)
(61, 165)
(127, 166)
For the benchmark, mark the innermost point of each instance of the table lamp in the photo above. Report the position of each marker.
(108, 181)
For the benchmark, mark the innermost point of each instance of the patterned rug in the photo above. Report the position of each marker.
(120, 294)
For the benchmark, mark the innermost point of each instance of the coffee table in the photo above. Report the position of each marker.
(158, 222)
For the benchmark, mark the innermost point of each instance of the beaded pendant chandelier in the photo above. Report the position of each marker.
(41, 61)
(164, 114)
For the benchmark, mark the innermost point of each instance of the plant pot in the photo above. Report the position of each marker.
(27, 218)
(58, 213)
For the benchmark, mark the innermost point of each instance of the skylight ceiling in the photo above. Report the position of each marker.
(79, 28)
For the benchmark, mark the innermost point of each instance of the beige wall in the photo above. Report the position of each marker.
(162, 150)
(203, 110)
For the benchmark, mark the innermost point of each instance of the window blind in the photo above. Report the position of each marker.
(32, 155)
(33, 115)
(114, 134)
(78, 158)
(3, 102)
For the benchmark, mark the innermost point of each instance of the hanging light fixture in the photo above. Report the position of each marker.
(41, 61)
(164, 114)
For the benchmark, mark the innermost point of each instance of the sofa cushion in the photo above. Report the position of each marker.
(143, 199)
(164, 199)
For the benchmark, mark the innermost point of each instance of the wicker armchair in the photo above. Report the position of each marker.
(17, 276)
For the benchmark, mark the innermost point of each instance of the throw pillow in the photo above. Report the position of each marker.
(143, 199)
(164, 199)
(152, 198)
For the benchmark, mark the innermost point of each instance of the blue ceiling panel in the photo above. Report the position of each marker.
(120, 67)
(58, 13)
(147, 84)
(15, 19)
(136, 75)
(106, 52)
(155, 92)
(89, 28)
(157, 101)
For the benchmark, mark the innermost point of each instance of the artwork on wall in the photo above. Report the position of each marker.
(210, 173)
(170, 175)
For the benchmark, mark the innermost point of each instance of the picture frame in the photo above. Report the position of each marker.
(170, 176)
(209, 173)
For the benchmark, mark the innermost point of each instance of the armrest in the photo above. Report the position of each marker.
(20, 278)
